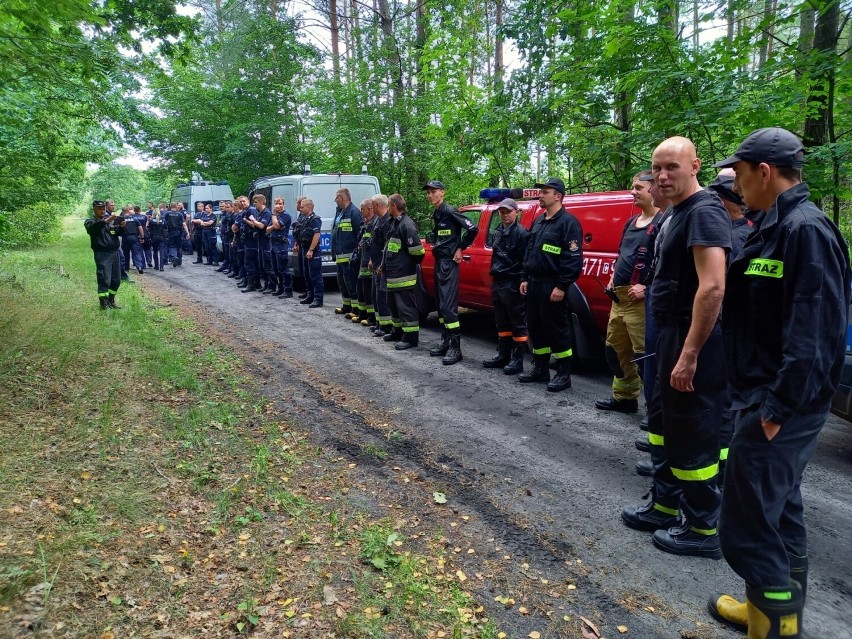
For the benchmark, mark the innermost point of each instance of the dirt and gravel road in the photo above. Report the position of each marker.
(546, 473)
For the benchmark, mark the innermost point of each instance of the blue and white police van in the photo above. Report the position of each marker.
(321, 188)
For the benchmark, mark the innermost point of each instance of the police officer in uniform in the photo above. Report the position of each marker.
(103, 237)
(381, 228)
(255, 221)
(279, 242)
(176, 232)
(403, 253)
(686, 298)
(451, 235)
(157, 239)
(784, 326)
(509, 245)
(344, 239)
(196, 236)
(134, 234)
(296, 228)
(552, 263)
(207, 228)
(225, 234)
(309, 241)
(238, 249)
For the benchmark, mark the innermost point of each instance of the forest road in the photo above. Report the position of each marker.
(546, 473)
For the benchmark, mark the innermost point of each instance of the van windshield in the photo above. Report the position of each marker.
(323, 196)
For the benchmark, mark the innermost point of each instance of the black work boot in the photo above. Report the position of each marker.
(251, 288)
(775, 613)
(409, 340)
(454, 354)
(540, 371)
(242, 283)
(104, 303)
(441, 349)
(683, 540)
(516, 363)
(504, 348)
(111, 301)
(649, 517)
(562, 380)
(395, 335)
(618, 405)
(645, 468)
(643, 445)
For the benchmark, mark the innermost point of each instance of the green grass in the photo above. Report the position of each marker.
(141, 495)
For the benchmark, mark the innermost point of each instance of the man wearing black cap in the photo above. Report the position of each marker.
(784, 330)
(552, 263)
(741, 225)
(510, 314)
(686, 298)
(451, 235)
(103, 236)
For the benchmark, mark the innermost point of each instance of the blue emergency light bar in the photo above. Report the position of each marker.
(495, 194)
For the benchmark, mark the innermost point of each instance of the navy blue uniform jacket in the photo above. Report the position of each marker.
(786, 301)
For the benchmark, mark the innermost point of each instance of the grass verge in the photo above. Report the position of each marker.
(147, 489)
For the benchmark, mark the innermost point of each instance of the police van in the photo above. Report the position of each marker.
(321, 188)
(199, 190)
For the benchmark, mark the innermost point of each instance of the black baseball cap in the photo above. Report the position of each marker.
(552, 183)
(434, 184)
(772, 145)
(508, 204)
(98, 204)
(723, 185)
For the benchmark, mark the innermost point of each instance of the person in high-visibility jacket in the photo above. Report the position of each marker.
(344, 239)
(403, 253)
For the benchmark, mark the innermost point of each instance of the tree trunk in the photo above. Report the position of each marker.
(764, 39)
(220, 22)
(335, 42)
(667, 15)
(806, 35)
(732, 11)
(695, 25)
(623, 101)
(498, 43)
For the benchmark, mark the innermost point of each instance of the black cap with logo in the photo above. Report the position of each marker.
(552, 183)
(433, 184)
(773, 145)
(98, 204)
(723, 185)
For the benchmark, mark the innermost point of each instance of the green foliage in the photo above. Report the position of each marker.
(38, 224)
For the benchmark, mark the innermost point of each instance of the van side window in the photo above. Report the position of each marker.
(492, 226)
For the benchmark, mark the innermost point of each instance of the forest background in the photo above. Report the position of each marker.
(473, 92)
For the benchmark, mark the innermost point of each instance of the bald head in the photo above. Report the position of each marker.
(675, 167)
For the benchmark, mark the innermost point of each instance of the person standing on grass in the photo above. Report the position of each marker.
(103, 235)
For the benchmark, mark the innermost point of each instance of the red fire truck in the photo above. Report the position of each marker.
(602, 216)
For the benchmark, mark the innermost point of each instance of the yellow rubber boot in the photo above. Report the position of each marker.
(729, 611)
(775, 613)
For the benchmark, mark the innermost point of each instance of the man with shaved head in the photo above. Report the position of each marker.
(686, 298)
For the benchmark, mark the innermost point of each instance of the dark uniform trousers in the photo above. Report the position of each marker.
(510, 308)
(314, 285)
(175, 245)
(365, 292)
(447, 293)
(208, 239)
(281, 260)
(347, 281)
(683, 430)
(108, 272)
(380, 301)
(197, 242)
(226, 253)
(549, 322)
(252, 257)
(238, 254)
(270, 269)
(160, 252)
(403, 309)
(133, 251)
(762, 526)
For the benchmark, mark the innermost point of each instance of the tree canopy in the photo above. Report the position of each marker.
(473, 92)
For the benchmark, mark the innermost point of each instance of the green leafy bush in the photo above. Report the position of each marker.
(37, 224)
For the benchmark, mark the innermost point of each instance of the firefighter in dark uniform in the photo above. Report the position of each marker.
(403, 253)
(552, 263)
(451, 235)
(367, 314)
(103, 237)
(279, 240)
(384, 321)
(686, 299)
(176, 233)
(309, 245)
(784, 326)
(344, 239)
(509, 245)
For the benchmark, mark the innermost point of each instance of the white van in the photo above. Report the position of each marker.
(321, 188)
(198, 190)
